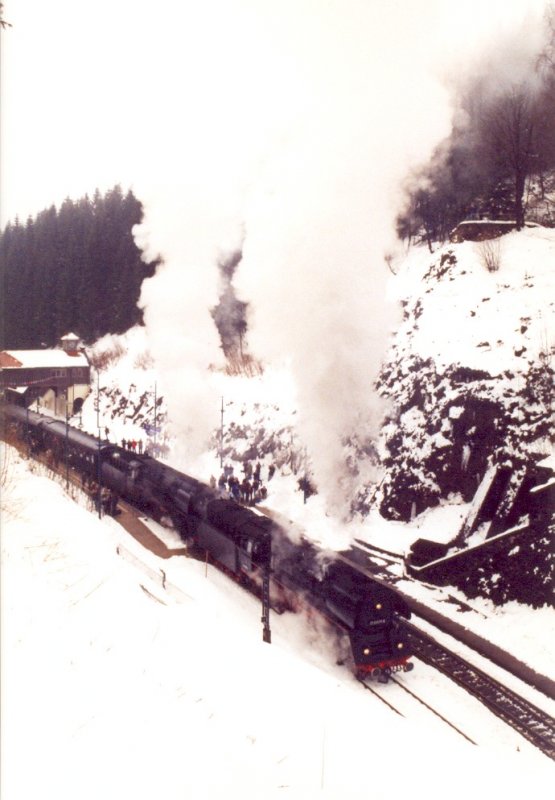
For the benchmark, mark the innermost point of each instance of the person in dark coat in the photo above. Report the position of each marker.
(236, 490)
(113, 504)
(246, 488)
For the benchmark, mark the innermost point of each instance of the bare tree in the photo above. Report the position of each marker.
(502, 144)
(546, 60)
(509, 128)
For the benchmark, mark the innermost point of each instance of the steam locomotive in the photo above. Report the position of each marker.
(243, 542)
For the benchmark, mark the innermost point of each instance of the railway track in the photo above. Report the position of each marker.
(527, 719)
(394, 702)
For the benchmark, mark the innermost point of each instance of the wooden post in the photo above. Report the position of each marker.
(155, 418)
(266, 632)
(266, 569)
(98, 465)
(222, 436)
(67, 447)
(323, 756)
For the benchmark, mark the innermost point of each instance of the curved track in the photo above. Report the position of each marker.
(530, 721)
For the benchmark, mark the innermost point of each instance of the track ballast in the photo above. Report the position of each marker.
(530, 721)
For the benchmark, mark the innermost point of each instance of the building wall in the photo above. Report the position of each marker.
(58, 401)
(46, 376)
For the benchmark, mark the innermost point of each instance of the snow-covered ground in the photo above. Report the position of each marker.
(266, 403)
(110, 689)
(486, 320)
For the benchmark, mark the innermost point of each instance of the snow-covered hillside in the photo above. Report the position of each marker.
(141, 692)
(468, 380)
(470, 373)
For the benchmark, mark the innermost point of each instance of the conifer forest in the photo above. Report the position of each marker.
(76, 268)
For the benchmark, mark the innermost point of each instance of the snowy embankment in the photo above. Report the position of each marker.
(108, 692)
(453, 306)
(470, 372)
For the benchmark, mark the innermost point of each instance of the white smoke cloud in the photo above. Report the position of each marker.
(285, 127)
(321, 218)
(288, 128)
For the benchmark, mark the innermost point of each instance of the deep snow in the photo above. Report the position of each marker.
(110, 690)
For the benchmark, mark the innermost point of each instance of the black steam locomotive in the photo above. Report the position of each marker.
(246, 544)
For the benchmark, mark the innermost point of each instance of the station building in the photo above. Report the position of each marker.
(56, 380)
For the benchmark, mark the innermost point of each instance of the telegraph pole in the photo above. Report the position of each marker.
(266, 632)
(155, 418)
(67, 439)
(98, 466)
(266, 567)
(222, 436)
(67, 431)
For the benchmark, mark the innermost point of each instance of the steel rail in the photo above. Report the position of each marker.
(531, 722)
(433, 710)
(380, 697)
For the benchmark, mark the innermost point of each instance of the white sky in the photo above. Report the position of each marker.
(284, 127)
(92, 93)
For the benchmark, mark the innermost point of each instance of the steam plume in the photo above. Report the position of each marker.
(289, 127)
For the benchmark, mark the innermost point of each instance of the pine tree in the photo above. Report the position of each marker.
(74, 269)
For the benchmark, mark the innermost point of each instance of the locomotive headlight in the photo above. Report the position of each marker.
(379, 606)
(366, 651)
(400, 645)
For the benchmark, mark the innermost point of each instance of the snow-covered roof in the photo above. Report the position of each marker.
(42, 358)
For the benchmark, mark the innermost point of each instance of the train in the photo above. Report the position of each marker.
(290, 572)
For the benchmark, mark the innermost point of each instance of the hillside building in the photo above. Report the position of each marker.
(56, 380)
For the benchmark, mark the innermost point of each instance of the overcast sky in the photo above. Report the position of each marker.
(89, 90)
(282, 127)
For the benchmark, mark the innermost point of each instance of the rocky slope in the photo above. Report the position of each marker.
(470, 373)
(468, 380)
